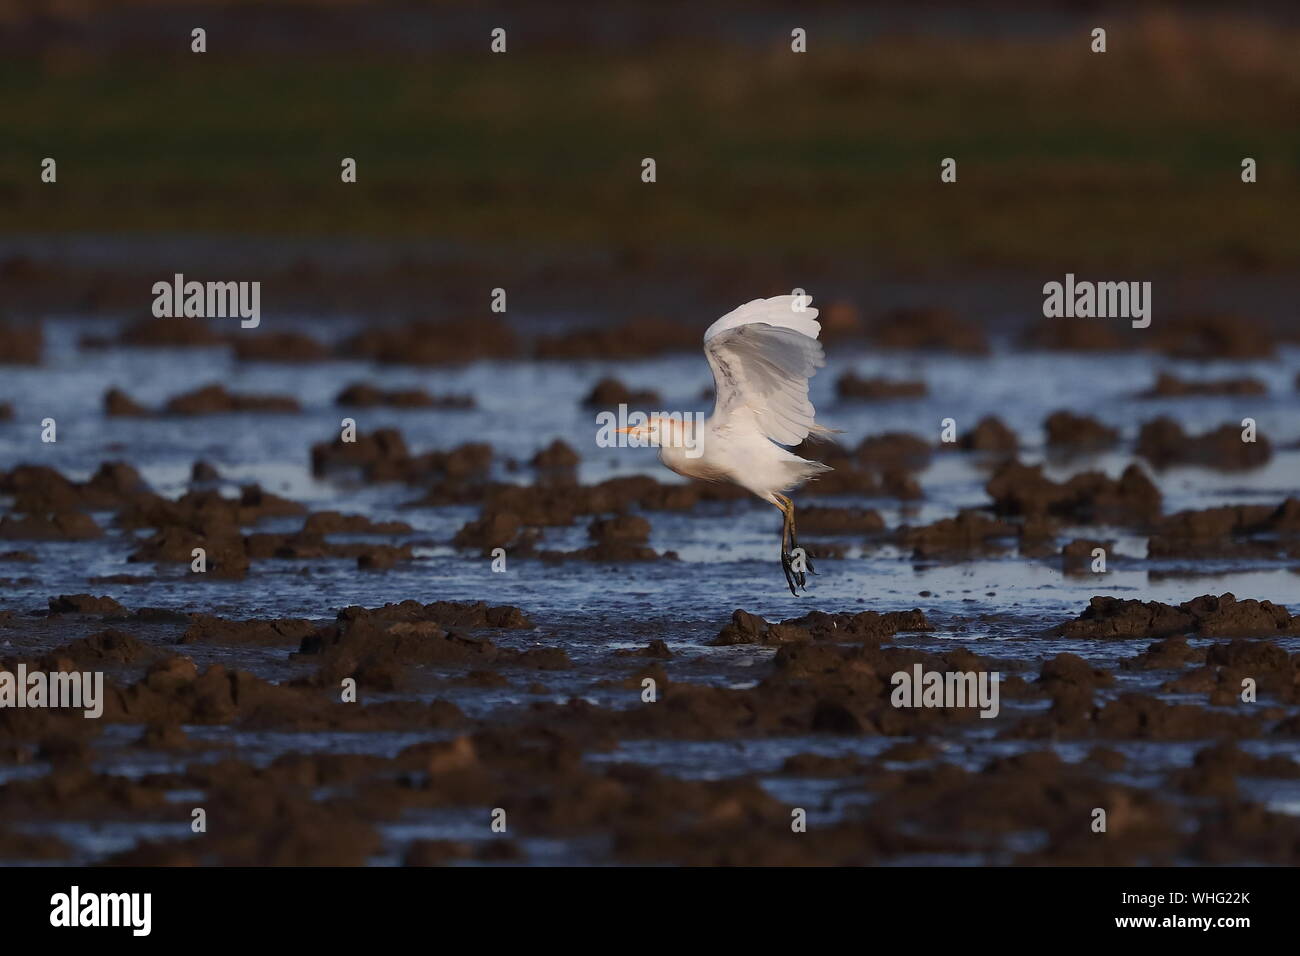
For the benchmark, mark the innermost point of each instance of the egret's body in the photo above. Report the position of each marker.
(762, 355)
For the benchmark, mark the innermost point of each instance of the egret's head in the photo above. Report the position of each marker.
(658, 430)
(683, 434)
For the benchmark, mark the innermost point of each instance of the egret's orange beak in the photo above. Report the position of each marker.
(631, 429)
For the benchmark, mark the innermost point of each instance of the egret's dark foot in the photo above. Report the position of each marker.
(790, 576)
(807, 562)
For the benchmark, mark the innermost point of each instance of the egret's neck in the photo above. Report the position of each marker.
(684, 453)
(673, 456)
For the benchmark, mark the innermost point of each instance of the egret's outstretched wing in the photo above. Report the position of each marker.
(762, 356)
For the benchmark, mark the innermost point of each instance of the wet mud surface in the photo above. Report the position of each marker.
(569, 634)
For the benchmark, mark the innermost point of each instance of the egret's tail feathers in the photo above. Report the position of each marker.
(801, 470)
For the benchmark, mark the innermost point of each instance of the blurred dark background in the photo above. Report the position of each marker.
(522, 170)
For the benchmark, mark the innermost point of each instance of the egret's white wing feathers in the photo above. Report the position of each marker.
(762, 355)
(778, 311)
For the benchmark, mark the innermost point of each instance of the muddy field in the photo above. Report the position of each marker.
(519, 683)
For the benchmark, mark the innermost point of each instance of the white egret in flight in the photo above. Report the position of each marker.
(762, 355)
